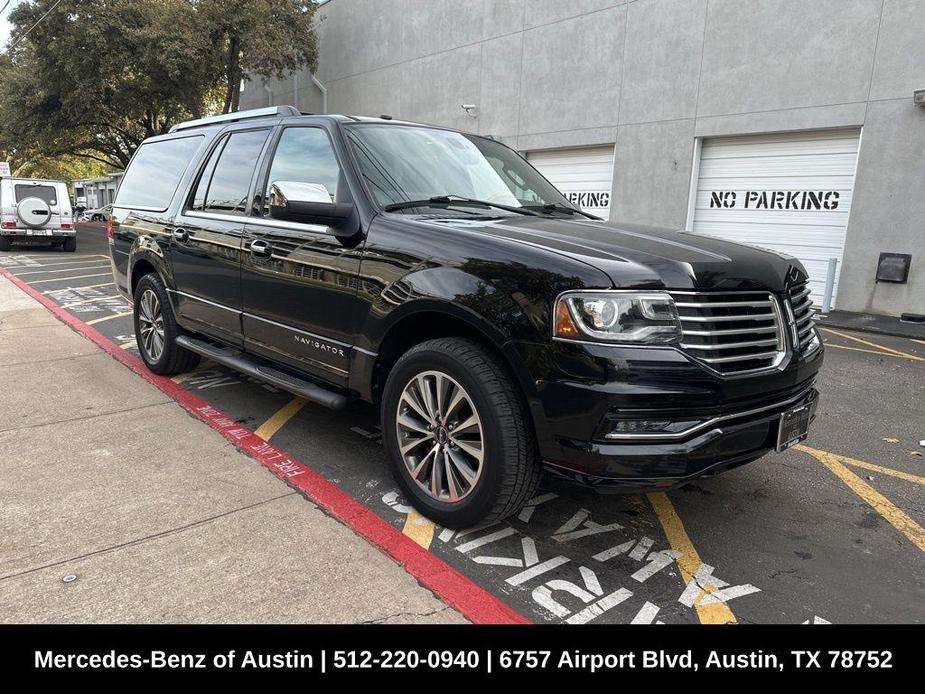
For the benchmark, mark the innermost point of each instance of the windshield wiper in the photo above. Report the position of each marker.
(556, 207)
(447, 200)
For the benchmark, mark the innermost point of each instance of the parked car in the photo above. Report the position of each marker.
(98, 215)
(501, 330)
(36, 212)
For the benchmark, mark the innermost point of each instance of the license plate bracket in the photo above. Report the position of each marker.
(793, 426)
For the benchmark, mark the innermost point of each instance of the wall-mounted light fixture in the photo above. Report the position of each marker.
(893, 267)
(470, 109)
(918, 97)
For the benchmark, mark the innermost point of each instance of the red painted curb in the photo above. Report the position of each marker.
(457, 591)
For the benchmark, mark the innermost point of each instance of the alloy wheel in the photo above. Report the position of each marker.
(151, 325)
(440, 436)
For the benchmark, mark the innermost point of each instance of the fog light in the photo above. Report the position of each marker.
(626, 428)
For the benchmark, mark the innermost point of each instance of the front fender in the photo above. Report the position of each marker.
(492, 311)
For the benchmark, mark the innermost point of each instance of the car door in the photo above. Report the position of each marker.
(299, 281)
(205, 251)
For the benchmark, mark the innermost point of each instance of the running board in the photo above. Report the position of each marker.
(267, 374)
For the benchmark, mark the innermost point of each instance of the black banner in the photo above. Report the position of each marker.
(333, 654)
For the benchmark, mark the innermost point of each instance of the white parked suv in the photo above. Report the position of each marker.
(36, 211)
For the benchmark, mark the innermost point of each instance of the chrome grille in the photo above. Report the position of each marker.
(734, 332)
(802, 307)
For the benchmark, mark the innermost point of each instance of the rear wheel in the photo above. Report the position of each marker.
(70, 244)
(5, 243)
(456, 434)
(156, 330)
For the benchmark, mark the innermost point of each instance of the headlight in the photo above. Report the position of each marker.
(642, 318)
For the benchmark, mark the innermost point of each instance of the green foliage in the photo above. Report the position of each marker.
(96, 77)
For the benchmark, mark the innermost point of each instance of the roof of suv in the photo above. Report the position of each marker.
(276, 112)
(14, 179)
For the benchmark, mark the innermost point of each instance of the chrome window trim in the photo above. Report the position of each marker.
(291, 226)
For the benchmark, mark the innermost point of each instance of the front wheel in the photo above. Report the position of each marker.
(156, 330)
(456, 434)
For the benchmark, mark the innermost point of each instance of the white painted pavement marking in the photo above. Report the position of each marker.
(526, 513)
(68, 279)
(69, 269)
(646, 614)
(50, 292)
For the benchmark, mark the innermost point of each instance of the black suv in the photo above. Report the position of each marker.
(502, 330)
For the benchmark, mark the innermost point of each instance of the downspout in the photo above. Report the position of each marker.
(324, 94)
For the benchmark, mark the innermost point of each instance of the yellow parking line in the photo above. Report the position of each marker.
(921, 342)
(68, 279)
(105, 318)
(866, 351)
(279, 418)
(873, 344)
(689, 561)
(886, 508)
(88, 301)
(865, 465)
(419, 529)
(128, 345)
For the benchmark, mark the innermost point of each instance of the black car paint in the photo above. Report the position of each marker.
(324, 305)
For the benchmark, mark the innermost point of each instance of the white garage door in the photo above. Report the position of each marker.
(584, 175)
(786, 192)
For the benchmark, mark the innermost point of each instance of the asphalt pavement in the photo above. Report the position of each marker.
(187, 527)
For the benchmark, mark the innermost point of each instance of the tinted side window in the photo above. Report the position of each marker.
(227, 191)
(305, 155)
(199, 197)
(155, 172)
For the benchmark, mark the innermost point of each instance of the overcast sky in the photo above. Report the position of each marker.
(4, 24)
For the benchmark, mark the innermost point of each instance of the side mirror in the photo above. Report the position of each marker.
(310, 203)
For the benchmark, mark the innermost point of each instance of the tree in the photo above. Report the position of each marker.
(266, 38)
(94, 78)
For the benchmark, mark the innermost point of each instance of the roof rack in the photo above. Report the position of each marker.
(279, 111)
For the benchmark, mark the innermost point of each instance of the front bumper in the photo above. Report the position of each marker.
(725, 443)
(587, 389)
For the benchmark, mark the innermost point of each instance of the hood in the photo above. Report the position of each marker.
(642, 256)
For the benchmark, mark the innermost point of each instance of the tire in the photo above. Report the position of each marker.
(6, 243)
(508, 473)
(171, 359)
(70, 244)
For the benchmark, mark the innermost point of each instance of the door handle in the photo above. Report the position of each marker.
(261, 248)
(181, 235)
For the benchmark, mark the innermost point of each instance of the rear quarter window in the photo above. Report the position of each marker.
(155, 172)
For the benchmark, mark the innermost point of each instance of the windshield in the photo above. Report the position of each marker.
(406, 163)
